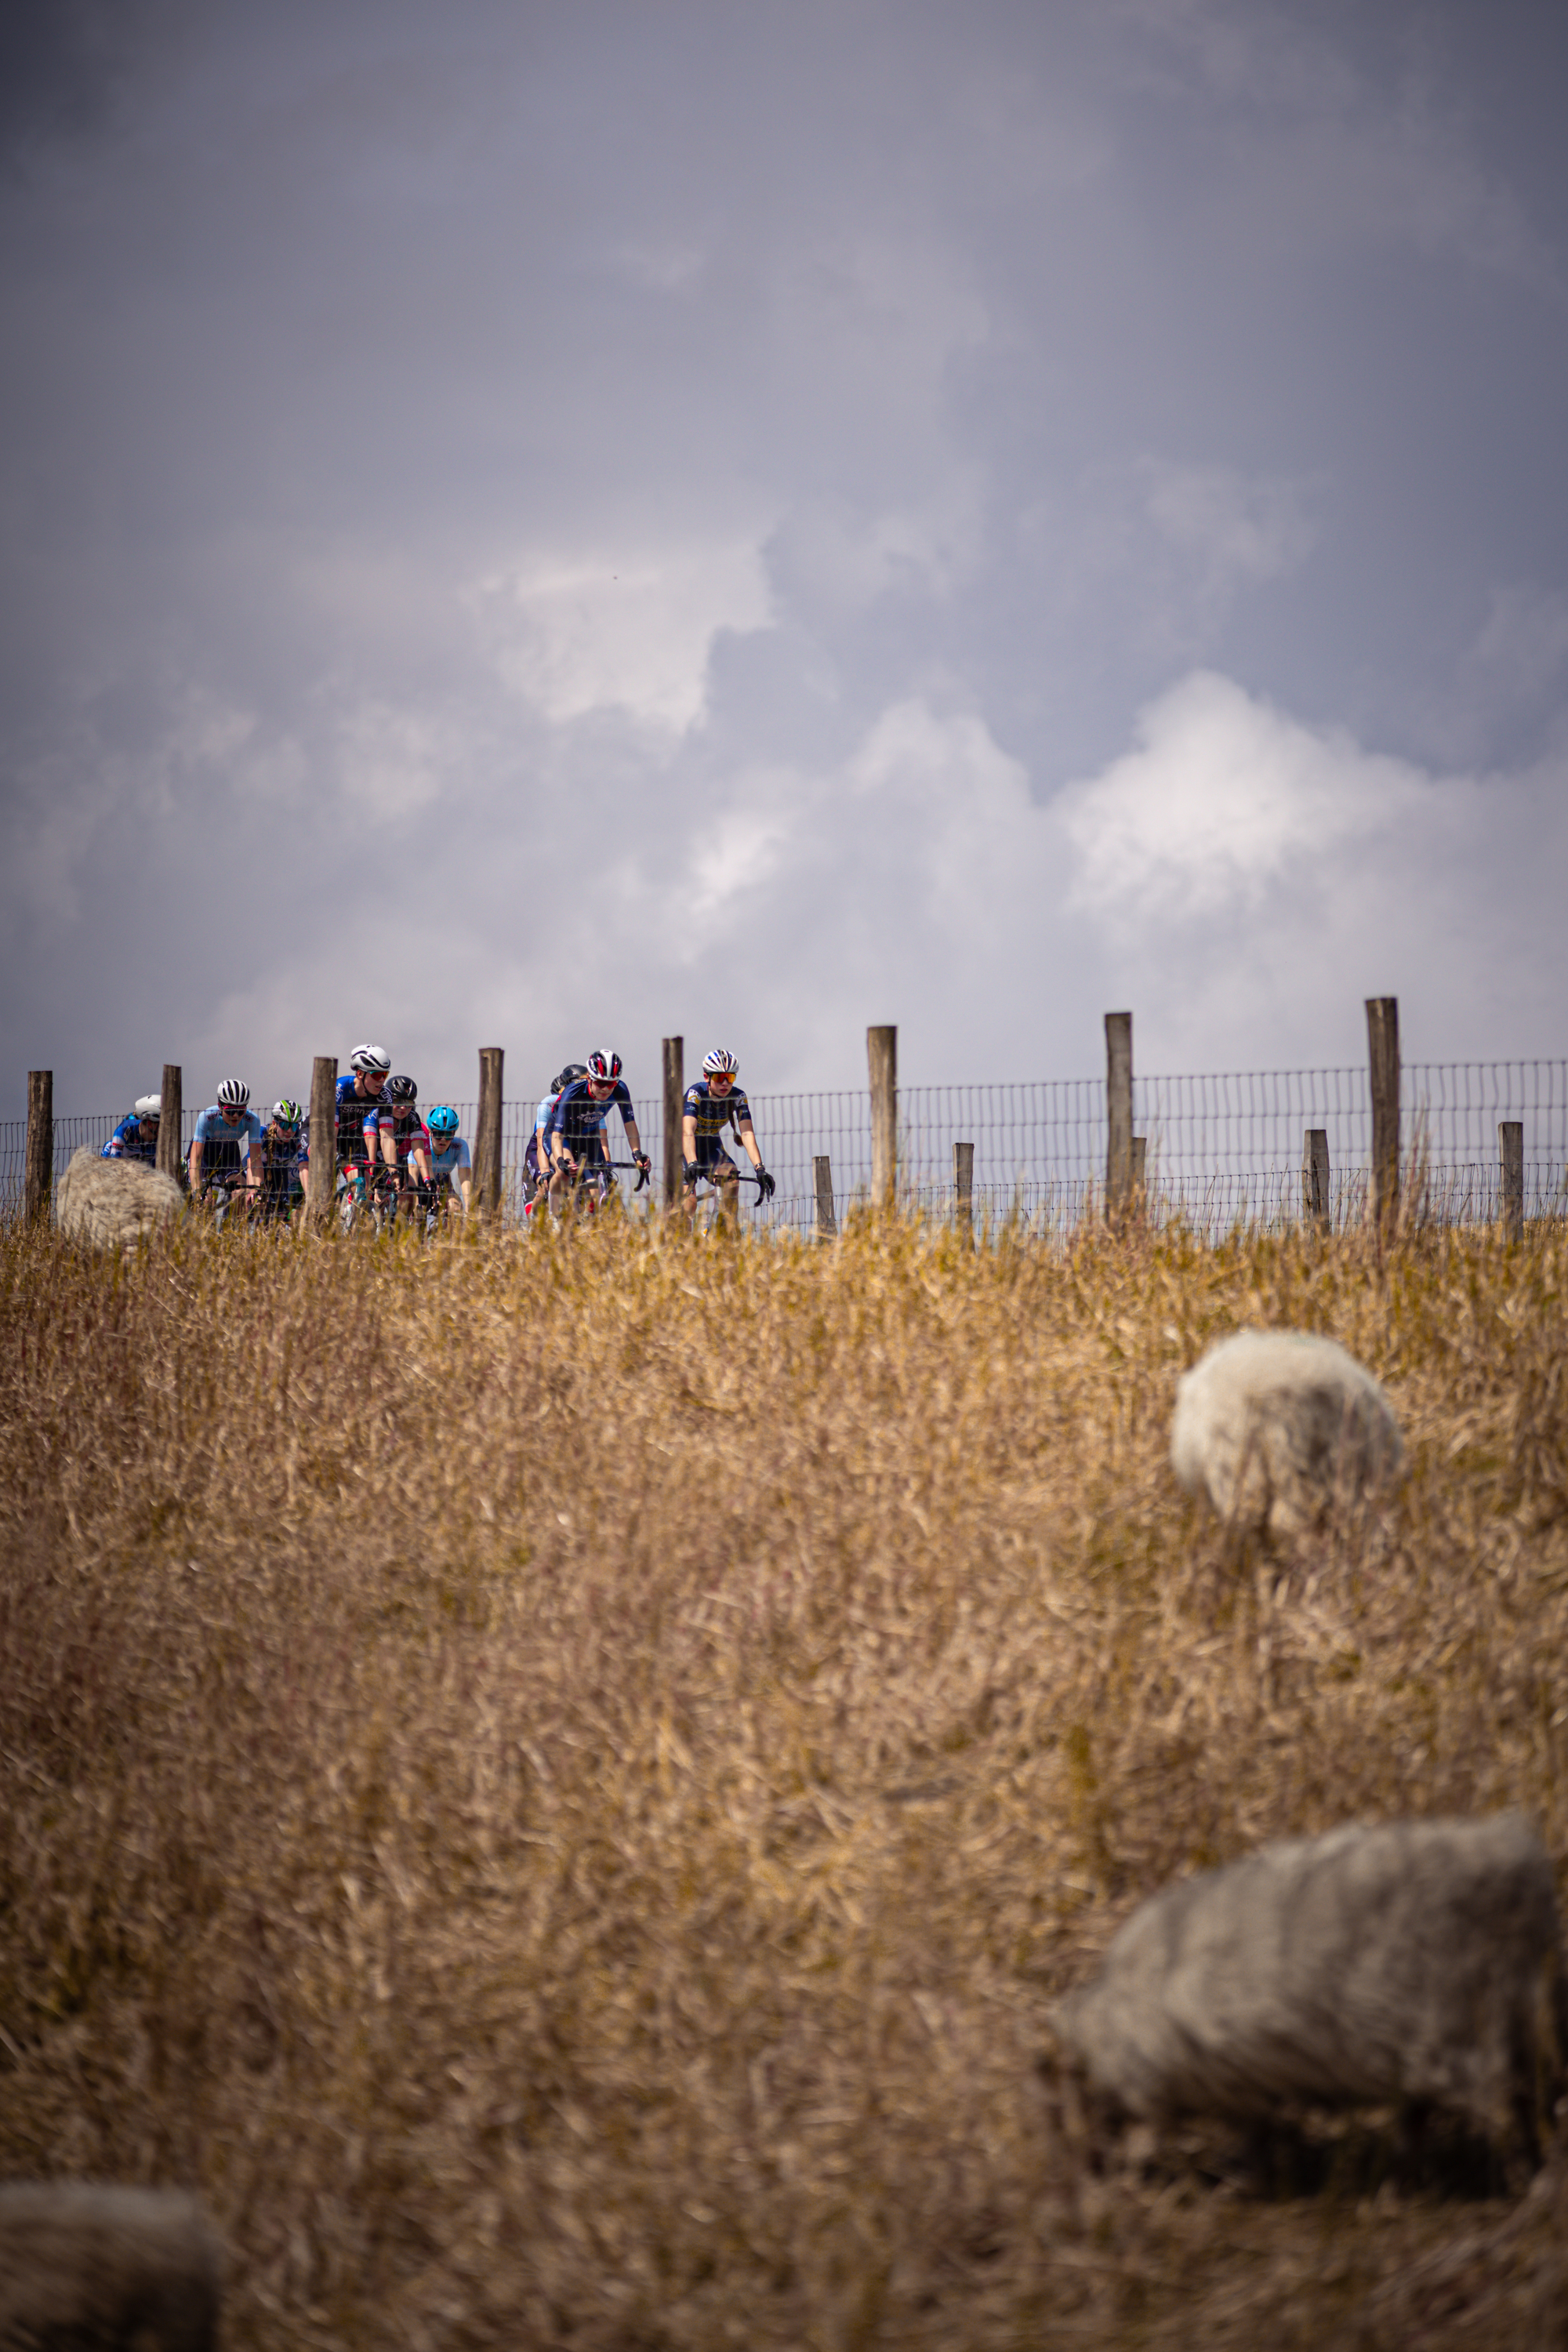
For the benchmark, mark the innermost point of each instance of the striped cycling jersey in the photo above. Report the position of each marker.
(713, 1113)
(133, 1140)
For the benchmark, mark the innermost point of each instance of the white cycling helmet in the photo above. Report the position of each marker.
(149, 1106)
(720, 1063)
(234, 1094)
(371, 1061)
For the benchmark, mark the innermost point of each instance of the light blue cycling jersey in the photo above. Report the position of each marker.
(453, 1159)
(213, 1128)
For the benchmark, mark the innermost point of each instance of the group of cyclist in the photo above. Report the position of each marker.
(385, 1152)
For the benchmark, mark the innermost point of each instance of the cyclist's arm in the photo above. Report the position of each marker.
(560, 1152)
(421, 1160)
(252, 1164)
(689, 1138)
(743, 1128)
(196, 1165)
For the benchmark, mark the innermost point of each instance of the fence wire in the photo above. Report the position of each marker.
(1222, 1149)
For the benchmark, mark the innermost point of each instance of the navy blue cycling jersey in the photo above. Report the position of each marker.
(354, 1111)
(580, 1120)
(132, 1140)
(712, 1114)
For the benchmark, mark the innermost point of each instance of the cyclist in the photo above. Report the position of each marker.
(136, 1136)
(360, 1091)
(396, 1125)
(536, 1158)
(285, 1157)
(225, 1132)
(576, 1136)
(451, 1163)
(712, 1103)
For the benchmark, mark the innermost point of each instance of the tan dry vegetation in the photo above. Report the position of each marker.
(557, 1782)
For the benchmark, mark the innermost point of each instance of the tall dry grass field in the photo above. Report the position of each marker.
(558, 1781)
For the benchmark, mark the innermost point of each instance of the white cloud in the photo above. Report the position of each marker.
(629, 631)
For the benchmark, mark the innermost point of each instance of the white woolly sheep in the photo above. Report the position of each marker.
(1271, 1426)
(1419, 1962)
(113, 1203)
(90, 2269)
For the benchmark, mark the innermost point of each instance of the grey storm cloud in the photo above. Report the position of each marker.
(555, 526)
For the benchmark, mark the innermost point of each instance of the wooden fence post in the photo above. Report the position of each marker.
(882, 1062)
(1315, 1195)
(1510, 1143)
(323, 1194)
(1137, 1168)
(1383, 1050)
(170, 1157)
(487, 1141)
(963, 1184)
(821, 1186)
(674, 1098)
(1118, 1111)
(39, 1175)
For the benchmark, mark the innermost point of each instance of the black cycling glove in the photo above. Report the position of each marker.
(765, 1185)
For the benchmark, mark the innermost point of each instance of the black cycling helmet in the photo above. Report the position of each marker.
(563, 1079)
(401, 1090)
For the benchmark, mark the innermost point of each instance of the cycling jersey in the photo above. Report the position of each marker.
(221, 1142)
(712, 1114)
(453, 1159)
(408, 1128)
(132, 1140)
(283, 1156)
(579, 1120)
(530, 1151)
(354, 1111)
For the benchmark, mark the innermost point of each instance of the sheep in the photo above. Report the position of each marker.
(113, 1203)
(91, 2269)
(1416, 1963)
(1270, 1426)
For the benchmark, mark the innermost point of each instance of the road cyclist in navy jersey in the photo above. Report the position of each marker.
(361, 1090)
(395, 1125)
(717, 1102)
(536, 1158)
(136, 1136)
(226, 1132)
(285, 1158)
(451, 1163)
(575, 1136)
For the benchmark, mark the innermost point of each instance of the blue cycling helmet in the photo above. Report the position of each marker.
(442, 1120)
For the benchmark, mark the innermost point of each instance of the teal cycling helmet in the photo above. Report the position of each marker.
(442, 1120)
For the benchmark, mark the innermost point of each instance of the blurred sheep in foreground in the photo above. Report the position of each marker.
(88, 2269)
(1419, 1963)
(112, 1203)
(1272, 1425)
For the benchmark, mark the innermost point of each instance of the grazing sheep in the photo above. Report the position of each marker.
(1420, 1962)
(1270, 1426)
(87, 2269)
(112, 1203)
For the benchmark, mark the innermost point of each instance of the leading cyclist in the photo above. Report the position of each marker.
(712, 1103)
(575, 1138)
(285, 1157)
(227, 1129)
(362, 1089)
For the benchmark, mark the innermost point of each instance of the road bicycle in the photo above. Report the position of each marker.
(591, 1183)
(367, 1197)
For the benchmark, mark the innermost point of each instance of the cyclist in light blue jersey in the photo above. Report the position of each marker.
(451, 1161)
(226, 1132)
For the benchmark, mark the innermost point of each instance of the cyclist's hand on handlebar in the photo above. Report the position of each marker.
(765, 1186)
(689, 1172)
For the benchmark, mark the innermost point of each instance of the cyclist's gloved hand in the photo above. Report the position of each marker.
(689, 1172)
(765, 1185)
(643, 1161)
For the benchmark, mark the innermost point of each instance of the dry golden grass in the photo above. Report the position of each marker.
(558, 1781)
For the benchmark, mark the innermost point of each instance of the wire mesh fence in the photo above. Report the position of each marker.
(1222, 1149)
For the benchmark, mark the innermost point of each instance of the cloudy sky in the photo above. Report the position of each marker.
(550, 525)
